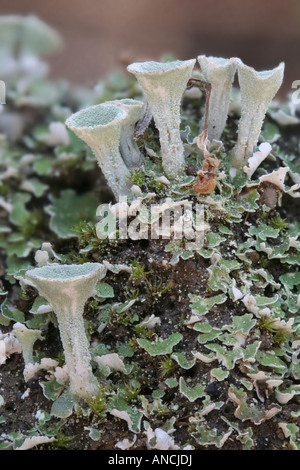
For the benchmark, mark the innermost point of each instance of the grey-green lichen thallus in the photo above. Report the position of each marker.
(67, 288)
(109, 128)
(26, 337)
(100, 127)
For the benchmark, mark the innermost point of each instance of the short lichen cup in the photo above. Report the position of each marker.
(100, 127)
(67, 289)
(163, 84)
(128, 147)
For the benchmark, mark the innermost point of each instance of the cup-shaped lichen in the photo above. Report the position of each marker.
(100, 128)
(23, 37)
(26, 338)
(219, 73)
(164, 85)
(67, 288)
(257, 91)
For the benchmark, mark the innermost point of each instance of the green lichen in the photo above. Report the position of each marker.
(160, 347)
(205, 340)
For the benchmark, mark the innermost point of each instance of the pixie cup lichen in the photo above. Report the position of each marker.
(257, 91)
(128, 147)
(219, 72)
(26, 337)
(163, 85)
(23, 39)
(100, 127)
(67, 288)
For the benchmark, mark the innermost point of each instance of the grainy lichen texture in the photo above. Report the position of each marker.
(26, 338)
(67, 289)
(219, 72)
(257, 91)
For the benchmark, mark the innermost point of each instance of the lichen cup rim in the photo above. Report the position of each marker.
(142, 68)
(118, 115)
(46, 272)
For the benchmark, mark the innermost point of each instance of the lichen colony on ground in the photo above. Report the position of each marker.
(113, 343)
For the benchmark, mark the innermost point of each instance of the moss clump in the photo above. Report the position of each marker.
(207, 336)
